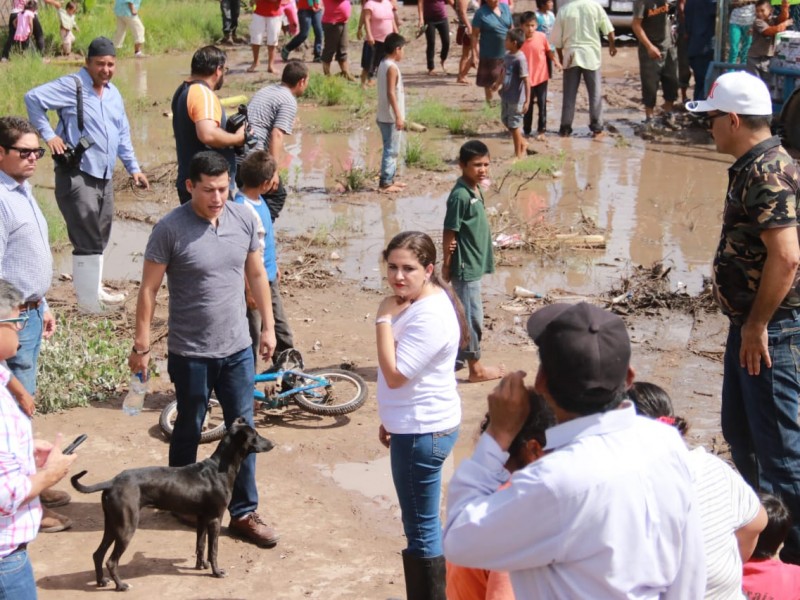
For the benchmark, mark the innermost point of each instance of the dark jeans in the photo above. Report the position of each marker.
(538, 96)
(759, 417)
(230, 15)
(283, 334)
(699, 65)
(308, 20)
(37, 32)
(417, 461)
(430, 41)
(231, 378)
(572, 79)
(87, 205)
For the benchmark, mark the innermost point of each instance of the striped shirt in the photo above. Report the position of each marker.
(25, 258)
(273, 106)
(726, 504)
(19, 522)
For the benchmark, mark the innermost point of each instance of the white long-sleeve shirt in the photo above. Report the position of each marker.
(609, 513)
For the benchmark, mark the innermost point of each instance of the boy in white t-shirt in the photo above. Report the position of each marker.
(391, 110)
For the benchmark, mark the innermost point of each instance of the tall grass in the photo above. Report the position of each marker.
(418, 155)
(333, 91)
(433, 113)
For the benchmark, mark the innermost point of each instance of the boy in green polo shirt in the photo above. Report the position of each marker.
(467, 252)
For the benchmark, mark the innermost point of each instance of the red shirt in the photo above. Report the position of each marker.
(771, 580)
(268, 8)
(535, 50)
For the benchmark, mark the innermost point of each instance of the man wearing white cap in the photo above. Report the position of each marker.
(756, 284)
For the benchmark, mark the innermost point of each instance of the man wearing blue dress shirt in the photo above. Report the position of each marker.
(85, 157)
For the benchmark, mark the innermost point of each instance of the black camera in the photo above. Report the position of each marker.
(232, 125)
(71, 157)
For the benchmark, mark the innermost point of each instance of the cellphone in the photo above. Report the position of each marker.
(77, 442)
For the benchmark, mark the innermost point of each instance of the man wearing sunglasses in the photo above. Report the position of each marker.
(757, 285)
(84, 183)
(26, 263)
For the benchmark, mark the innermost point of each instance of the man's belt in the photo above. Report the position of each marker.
(30, 305)
(20, 548)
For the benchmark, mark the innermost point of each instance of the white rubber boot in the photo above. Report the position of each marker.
(86, 279)
(105, 296)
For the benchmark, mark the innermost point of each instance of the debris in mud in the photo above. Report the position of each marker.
(162, 181)
(537, 236)
(647, 288)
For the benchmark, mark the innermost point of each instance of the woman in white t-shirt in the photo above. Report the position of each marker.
(419, 330)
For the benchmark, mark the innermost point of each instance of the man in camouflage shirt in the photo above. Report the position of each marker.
(757, 286)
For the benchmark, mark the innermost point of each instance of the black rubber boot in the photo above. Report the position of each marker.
(425, 577)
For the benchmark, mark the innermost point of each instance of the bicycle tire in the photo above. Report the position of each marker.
(167, 419)
(326, 404)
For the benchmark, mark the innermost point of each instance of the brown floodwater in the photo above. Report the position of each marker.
(655, 201)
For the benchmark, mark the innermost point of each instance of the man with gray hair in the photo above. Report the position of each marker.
(757, 285)
(28, 465)
(609, 511)
(27, 263)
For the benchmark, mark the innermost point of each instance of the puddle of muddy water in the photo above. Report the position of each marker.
(373, 479)
(655, 201)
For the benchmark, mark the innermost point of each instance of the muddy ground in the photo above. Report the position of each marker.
(326, 486)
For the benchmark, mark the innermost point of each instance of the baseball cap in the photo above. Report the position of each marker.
(735, 92)
(584, 351)
(101, 46)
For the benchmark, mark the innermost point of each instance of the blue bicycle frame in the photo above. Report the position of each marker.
(279, 400)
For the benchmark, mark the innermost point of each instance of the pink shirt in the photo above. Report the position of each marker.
(771, 578)
(335, 11)
(381, 18)
(24, 25)
(19, 522)
(535, 51)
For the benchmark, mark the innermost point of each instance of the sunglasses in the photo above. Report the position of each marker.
(709, 119)
(18, 322)
(25, 153)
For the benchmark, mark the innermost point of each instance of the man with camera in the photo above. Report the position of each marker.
(92, 131)
(198, 120)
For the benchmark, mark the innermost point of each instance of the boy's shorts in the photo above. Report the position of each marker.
(334, 42)
(654, 71)
(510, 114)
(265, 27)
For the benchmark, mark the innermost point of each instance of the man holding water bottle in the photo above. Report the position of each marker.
(207, 248)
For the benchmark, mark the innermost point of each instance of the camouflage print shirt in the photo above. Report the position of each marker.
(763, 193)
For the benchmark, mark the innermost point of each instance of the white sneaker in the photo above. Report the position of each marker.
(139, 55)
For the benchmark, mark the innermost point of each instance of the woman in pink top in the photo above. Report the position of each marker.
(377, 18)
(335, 15)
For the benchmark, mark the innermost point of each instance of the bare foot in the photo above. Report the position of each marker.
(390, 189)
(400, 184)
(540, 137)
(462, 81)
(252, 68)
(479, 373)
(270, 69)
(431, 73)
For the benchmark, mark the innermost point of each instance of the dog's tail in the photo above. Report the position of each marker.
(88, 489)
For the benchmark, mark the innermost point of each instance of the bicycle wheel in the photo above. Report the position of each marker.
(213, 425)
(346, 391)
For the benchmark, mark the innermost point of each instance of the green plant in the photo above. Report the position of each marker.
(355, 178)
(56, 227)
(331, 123)
(332, 91)
(544, 163)
(84, 361)
(417, 155)
(436, 114)
(352, 24)
(461, 124)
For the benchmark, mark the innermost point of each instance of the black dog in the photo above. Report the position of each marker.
(203, 489)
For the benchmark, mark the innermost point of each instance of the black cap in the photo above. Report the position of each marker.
(101, 46)
(585, 352)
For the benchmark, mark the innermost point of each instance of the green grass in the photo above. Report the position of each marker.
(56, 226)
(546, 164)
(85, 360)
(332, 123)
(437, 114)
(333, 91)
(355, 178)
(352, 24)
(170, 25)
(418, 155)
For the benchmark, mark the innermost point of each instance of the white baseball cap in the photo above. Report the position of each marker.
(735, 92)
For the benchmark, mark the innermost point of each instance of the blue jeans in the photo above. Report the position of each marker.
(231, 378)
(417, 461)
(759, 417)
(469, 292)
(391, 148)
(308, 19)
(699, 65)
(16, 577)
(23, 365)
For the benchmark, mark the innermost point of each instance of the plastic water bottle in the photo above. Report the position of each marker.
(134, 401)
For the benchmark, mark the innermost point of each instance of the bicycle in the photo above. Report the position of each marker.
(326, 392)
